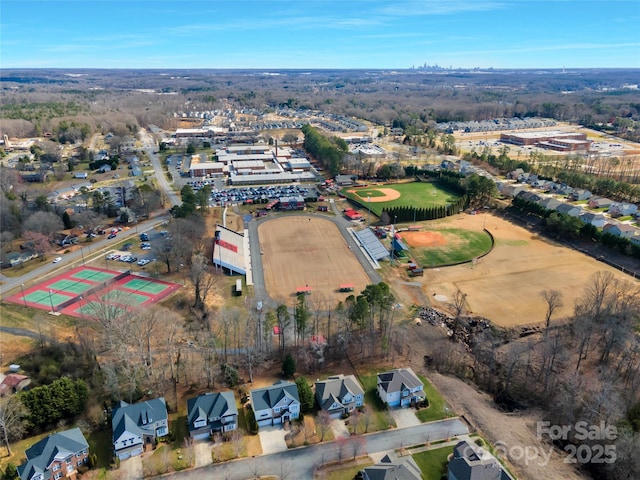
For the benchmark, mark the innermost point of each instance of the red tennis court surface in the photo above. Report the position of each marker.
(81, 290)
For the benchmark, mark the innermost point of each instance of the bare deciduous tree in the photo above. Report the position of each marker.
(554, 301)
(12, 412)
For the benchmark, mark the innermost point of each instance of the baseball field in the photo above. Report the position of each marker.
(505, 285)
(301, 251)
(414, 194)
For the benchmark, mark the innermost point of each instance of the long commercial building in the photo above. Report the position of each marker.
(552, 140)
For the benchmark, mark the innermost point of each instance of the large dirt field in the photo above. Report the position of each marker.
(302, 250)
(504, 286)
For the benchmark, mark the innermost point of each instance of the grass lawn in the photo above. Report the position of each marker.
(433, 463)
(346, 473)
(382, 419)
(163, 460)
(437, 405)
(462, 245)
(415, 194)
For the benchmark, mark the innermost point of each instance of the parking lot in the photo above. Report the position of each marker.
(221, 197)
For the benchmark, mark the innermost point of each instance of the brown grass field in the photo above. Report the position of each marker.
(306, 250)
(505, 285)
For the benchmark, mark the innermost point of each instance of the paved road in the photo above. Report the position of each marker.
(300, 463)
(150, 146)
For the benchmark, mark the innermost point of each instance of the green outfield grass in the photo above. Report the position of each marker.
(462, 246)
(416, 194)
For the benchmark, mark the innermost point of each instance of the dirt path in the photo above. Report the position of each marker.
(507, 432)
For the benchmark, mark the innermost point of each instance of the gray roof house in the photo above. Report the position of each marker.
(568, 209)
(623, 230)
(529, 196)
(549, 203)
(138, 424)
(56, 456)
(596, 219)
(211, 412)
(339, 395)
(400, 387)
(276, 404)
(471, 462)
(580, 194)
(621, 209)
(600, 202)
(387, 469)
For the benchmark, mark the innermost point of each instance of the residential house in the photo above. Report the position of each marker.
(400, 387)
(529, 196)
(339, 395)
(596, 219)
(623, 230)
(549, 203)
(13, 383)
(513, 190)
(514, 175)
(404, 468)
(542, 184)
(524, 177)
(211, 412)
(471, 462)
(565, 190)
(137, 425)
(580, 194)
(276, 404)
(56, 456)
(600, 202)
(622, 209)
(569, 209)
(13, 259)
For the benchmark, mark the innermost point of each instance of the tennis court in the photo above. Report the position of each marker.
(146, 286)
(71, 286)
(122, 297)
(47, 298)
(94, 275)
(78, 291)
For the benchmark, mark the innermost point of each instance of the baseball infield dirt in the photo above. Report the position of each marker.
(301, 251)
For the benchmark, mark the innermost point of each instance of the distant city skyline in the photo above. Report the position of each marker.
(320, 34)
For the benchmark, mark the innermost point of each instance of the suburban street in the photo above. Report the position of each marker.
(73, 259)
(151, 146)
(99, 244)
(300, 463)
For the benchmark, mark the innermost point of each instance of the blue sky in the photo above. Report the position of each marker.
(308, 34)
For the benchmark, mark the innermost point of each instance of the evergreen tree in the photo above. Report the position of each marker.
(305, 393)
(288, 366)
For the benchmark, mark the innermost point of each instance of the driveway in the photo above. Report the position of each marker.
(202, 453)
(405, 417)
(131, 468)
(272, 439)
(339, 428)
